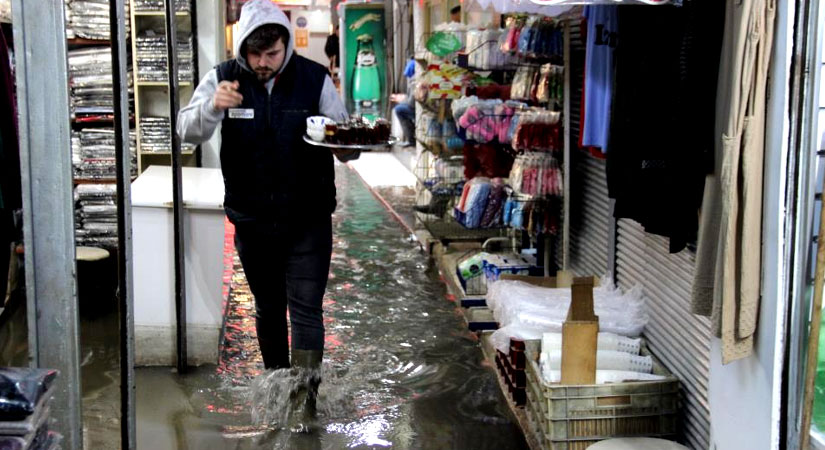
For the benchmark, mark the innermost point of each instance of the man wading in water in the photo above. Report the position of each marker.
(280, 192)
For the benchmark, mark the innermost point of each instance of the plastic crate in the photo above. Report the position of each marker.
(574, 417)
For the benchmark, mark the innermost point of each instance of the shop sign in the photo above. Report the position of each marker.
(301, 38)
(443, 44)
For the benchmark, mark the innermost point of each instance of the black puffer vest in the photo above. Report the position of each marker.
(269, 172)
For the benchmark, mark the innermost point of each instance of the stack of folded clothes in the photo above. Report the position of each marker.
(159, 5)
(90, 82)
(25, 397)
(89, 19)
(93, 154)
(96, 215)
(152, 57)
(156, 136)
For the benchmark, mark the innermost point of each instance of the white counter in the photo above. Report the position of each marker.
(153, 248)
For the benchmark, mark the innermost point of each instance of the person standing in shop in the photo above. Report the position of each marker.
(331, 49)
(405, 108)
(280, 191)
(455, 14)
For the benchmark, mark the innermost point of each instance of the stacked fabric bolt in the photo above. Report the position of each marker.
(89, 19)
(159, 5)
(96, 215)
(93, 153)
(152, 57)
(484, 51)
(90, 79)
(25, 397)
(156, 136)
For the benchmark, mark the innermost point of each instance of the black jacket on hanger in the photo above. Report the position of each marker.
(662, 123)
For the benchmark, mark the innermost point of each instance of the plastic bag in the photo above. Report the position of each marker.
(21, 390)
(523, 305)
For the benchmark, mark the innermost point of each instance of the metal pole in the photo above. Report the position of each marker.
(177, 189)
(193, 19)
(612, 241)
(123, 157)
(391, 61)
(808, 141)
(48, 206)
(567, 163)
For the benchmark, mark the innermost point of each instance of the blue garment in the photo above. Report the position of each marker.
(602, 37)
(476, 202)
(409, 70)
(406, 117)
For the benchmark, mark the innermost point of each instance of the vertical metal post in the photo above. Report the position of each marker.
(804, 327)
(123, 156)
(193, 18)
(612, 241)
(566, 163)
(342, 54)
(177, 188)
(48, 206)
(391, 62)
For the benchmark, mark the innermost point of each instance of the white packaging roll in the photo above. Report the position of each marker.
(607, 341)
(606, 360)
(604, 376)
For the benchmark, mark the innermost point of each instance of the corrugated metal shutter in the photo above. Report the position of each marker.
(590, 216)
(589, 205)
(679, 339)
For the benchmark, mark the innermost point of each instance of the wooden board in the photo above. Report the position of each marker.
(580, 336)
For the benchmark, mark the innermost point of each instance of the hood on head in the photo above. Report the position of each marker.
(254, 14)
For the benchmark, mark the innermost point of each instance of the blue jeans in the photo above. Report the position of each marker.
(406, 115)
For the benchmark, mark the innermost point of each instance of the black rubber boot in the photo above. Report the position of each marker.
(306, 365)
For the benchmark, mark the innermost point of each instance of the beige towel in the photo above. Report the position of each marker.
(728, 262)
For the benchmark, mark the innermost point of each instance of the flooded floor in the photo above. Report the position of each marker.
(400, 368)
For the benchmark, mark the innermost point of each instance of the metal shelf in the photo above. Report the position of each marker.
(447, 229)
(161, 83)
(97, 180)
(159, 13)
(88, 42)
(183, 152)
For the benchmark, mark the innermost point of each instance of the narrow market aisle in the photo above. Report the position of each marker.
(391, 182)
(401, 369)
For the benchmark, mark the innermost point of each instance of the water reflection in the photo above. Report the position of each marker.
(400, 368)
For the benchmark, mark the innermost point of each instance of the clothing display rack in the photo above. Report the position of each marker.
(150, 78)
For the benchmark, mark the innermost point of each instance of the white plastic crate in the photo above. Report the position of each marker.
(574, 417)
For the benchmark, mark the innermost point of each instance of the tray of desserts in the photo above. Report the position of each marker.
(358, 133)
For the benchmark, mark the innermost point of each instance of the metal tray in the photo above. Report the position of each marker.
(381, 146)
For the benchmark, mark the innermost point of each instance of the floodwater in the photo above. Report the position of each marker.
(400, 368)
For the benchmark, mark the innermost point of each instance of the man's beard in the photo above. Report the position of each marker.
(264, 75)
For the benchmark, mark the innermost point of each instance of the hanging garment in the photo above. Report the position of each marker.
(10, 196)
(660, 120)
(727, 281)
(602, 38)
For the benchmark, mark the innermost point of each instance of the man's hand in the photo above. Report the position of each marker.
(227, 96)
(398, 98)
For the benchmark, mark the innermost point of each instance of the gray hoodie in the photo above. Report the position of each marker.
(198, 120)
